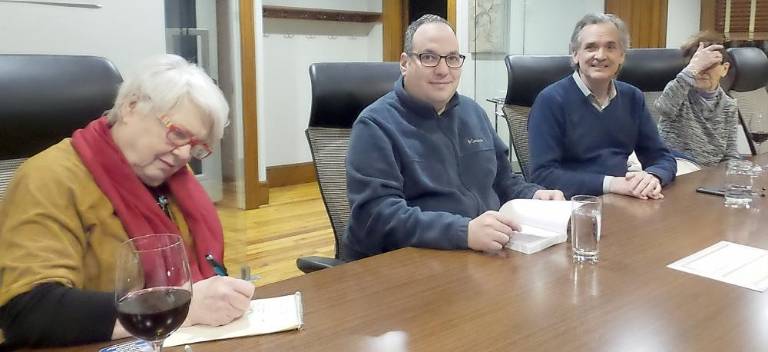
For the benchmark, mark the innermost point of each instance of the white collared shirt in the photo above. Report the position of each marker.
(593, 99)
(588, 93)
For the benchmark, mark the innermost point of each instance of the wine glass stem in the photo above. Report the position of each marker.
(157, 346)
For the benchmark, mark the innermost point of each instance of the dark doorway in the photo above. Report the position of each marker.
(418, 8)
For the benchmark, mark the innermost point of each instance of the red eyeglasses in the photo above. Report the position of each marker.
(180, 137)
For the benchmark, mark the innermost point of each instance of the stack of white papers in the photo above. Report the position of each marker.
(543, 223)
(265, 316)
(729, 262)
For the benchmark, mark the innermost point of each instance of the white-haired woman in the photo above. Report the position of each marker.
(124, 175)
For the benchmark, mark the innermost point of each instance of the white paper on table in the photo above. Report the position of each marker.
(729, 262)
(265, 316)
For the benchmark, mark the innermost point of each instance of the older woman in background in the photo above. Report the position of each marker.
(124, 175)
(698, 120)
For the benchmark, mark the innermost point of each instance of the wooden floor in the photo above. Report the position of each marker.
(270, 238)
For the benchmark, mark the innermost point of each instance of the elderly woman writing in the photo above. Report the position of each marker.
(124, 175)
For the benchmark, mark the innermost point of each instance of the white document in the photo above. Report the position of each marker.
(543, 223)
(265, 316)
(729, 262)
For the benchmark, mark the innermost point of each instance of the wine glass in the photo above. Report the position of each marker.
(153, 288)
(758, 131)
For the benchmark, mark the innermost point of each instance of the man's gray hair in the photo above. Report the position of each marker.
(598, 18)
(166, 80)
(428, 18)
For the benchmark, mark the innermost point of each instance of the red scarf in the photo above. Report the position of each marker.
(135, 206)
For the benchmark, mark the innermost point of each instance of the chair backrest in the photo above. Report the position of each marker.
(749, 76)
(526, 77)
(340, 91)
(45, 98)
(650, 70)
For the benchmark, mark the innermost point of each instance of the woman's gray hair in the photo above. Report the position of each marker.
(411, 30)
(598, 18)
(166, 80)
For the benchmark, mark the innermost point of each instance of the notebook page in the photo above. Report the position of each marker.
(265, 316)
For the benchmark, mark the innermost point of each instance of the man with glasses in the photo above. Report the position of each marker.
(424, 167)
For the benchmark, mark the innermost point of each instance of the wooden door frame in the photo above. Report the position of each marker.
(394, 18)
(394, 14)
(256, 192)
(451, 5)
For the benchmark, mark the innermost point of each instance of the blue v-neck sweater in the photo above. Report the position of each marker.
(416, 178)
(573, 146)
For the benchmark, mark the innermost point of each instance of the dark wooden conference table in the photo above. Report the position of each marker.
(466, 301)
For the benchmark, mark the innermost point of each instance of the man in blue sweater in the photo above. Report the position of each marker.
(583, 128)
(424, 167)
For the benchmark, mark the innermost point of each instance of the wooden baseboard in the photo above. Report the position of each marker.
(291, 174)
(262, 194)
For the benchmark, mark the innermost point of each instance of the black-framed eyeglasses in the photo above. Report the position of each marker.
(432, 60)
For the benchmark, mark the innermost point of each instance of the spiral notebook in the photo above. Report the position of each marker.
(266, 316)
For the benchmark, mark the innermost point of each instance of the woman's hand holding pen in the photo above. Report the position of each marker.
(219, 300)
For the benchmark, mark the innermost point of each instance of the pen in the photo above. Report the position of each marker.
(217, 267)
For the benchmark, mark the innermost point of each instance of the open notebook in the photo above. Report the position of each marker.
(543, 223)
(265, 316)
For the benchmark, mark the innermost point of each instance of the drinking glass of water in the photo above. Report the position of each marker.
(586, 219)
(739, 178)
(758, 130)
(153, 288)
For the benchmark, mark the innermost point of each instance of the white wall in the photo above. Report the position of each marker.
(125, 32)
(537, 27)
(549, 23)
(682, 21)
(289, 47)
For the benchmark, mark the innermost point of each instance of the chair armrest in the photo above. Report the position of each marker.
(311, 264)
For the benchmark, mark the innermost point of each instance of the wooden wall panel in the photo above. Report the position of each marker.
(707, 19)
(393, 26)
(645, 19)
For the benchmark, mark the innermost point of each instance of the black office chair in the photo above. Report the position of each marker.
(45, 98)
(526, 77)
(340, 91)
(749, 75)
(650, 70)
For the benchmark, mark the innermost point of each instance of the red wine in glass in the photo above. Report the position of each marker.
(153, 287)
(154, 313)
